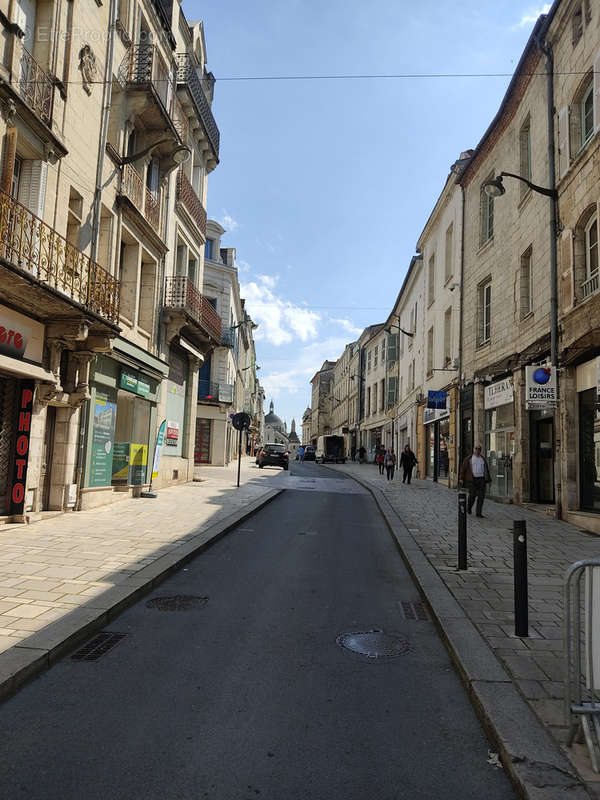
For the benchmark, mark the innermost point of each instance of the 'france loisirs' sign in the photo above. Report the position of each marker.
(540, 388)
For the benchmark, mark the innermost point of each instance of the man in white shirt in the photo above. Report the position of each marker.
(475, 472)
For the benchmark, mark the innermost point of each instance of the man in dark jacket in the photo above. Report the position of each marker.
(475, 471)
(407, 462)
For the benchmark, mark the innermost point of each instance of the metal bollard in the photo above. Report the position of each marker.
(520, 577)
(462, 530)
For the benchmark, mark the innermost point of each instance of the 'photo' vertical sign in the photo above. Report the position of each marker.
(19, 479)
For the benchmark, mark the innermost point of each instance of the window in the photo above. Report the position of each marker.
(487, 214)
(448, 336)
(449, 259)
(383, 352)
(374, 395)
(369, 361)
(392, 345)
(485, 304)
(430, 352)
(587, 114)
(382, 394)
(431, 282)
(209, 248)
(591, 247)
(375, 354)
(526, 292)
(368, 401)
(525, 156)
(392, 387)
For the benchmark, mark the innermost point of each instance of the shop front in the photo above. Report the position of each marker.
(437, 443)
(588, 384)
(21, 419)
(499, 443)
(122, 423)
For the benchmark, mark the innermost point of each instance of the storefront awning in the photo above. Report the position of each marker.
(25, 370)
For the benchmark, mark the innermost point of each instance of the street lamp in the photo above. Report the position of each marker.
(180, 154)
(495, 188)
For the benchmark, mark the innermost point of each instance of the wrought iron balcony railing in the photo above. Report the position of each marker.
(143, 67)
(36, 88)
(30, 244)
(218, 392)
(180, 292)
(191, 201)
(187, 74)
(590, 287)
(133, 187)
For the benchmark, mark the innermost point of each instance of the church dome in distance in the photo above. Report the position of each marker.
(273, 420)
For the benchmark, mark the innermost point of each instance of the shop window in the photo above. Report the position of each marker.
(132, 435)
(589, 451)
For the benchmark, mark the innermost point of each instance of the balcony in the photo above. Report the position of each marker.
(30, 244)
(144, 71)
(180, 293)
(36, 88)
(187, 76)
(191, 202)
(215, 392)
(228, 337)
(590, 287)
(138, 194)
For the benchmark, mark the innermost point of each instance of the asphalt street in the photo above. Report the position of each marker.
(248, 693)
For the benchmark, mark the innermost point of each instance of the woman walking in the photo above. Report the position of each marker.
(390, 464)
(379, 458)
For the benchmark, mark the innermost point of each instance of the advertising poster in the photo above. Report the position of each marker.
(158, 449)
(138, 460)
(105, 415)
(120, 465)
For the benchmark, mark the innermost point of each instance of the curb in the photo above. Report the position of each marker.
(44, 647)
(532, 759)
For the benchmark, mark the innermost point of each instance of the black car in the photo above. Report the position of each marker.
(273, 455)
(309, 453)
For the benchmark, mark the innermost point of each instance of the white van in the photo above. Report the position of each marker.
(330, 448)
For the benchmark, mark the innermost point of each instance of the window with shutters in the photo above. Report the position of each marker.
(591, 247)
(449, 253)
(526, 284)
(431, 281)
(392, 389)
(448, 336)
(375, 352)
(374, 396)
(486, 214)
(430, 352)
(581, 117)
(369, 361)
(525, 156)
(392, 348)
(484, 312)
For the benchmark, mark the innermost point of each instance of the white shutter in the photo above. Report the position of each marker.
(597, 92)
(563, 141)
(41, 195)
(32, 186)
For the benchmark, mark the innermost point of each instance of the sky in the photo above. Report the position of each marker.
(324, 185)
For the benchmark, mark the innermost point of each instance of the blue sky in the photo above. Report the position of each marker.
(325, 185)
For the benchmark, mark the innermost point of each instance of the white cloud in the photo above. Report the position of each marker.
(347, 326)
(531, 15)
(228, 222)
(279, 320)
(243, 266)
(307, 360)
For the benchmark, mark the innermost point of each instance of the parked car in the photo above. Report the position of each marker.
(273, 455)
(309, 453)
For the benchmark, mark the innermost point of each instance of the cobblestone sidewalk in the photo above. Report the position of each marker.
(485, 591)
(61, 573)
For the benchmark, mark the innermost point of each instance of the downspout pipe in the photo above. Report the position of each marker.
(461, 314)
(546, 49)
(106, 103)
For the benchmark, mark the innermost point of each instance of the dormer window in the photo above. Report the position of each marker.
(209, 248)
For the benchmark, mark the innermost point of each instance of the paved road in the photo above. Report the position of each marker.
(249, 695)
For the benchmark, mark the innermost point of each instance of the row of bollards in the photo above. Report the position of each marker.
(519, 563)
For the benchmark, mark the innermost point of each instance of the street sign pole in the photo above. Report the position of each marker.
(241, 422)
(239, 457)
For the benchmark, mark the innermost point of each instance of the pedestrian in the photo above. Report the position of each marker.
(353, 452)
(361, 454)
(390, 464)
(407, 462)
(475, 472)
(301, 453)
(379, 458)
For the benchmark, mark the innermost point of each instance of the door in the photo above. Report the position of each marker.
(544, 456)
(589, 451)
(8, 392)
(500, 449)
(47, 458)
(202, 443)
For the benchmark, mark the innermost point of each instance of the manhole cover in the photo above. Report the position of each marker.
(179, 602)
(374, 644)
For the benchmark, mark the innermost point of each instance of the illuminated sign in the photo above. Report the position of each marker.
(25, 401)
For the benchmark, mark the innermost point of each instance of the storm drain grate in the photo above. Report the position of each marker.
(98, 646)
(179, 602)
(414, 610)
(375, 644)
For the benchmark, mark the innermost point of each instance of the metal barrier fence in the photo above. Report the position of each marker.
(582, 655)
